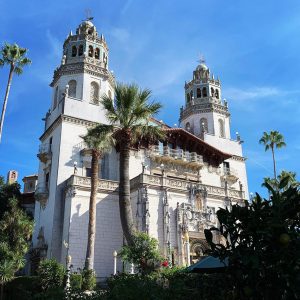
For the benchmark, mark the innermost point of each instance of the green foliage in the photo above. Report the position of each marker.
(262, 244)
(51, 274)
(76, 281)
(290, 178)
(272, 139)
(143, 253)
(15, 232)
(88, 280)
(8, 191)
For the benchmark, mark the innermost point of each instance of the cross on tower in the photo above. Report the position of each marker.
(201, 59)
(88, 15)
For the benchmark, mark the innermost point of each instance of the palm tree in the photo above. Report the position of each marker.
(15, 57)
(99, 141)
(129, 112)
(272, 140)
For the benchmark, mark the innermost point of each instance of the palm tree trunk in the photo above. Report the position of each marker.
(6, 98)
(274, 163)
(124, 194)
(92, 211)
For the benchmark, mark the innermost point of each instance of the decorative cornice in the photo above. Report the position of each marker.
(238, 158)
(69, 119)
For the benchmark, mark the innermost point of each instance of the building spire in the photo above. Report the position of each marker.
(88, 15)
(201, 59)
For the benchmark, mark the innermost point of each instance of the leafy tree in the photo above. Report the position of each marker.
(261, 241)
(8, 191)
(274, 183)
(143, 252)
(270, 141)
(15, 232)
(15, 57)
(99, 140)
(129, 113)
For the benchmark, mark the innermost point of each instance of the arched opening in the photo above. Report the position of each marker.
(97, 53)
(91, 51)
(80, 50)
(217, 93)
(198, 93)
(74, 51)
(94, 95)
(188, 126)
(204, 92)
(203, 125)
(198, 250)
(55, 100)
(221, 128)
(212, 92)
(72, 88)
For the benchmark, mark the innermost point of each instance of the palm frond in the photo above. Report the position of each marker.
(148, 132)
(18, 70)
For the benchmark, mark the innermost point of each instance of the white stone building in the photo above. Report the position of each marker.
(177, 186)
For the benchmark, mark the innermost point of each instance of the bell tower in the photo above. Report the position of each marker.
(204, 112)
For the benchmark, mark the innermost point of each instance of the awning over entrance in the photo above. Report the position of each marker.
(209, 264)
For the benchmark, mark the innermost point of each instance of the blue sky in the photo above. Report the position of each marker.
(253, 46)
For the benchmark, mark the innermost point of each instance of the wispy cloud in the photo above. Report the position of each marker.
(55, 45)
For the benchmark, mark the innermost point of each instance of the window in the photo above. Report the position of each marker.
(74, 51)
(97, 53)
(88, 172)
(204, 92)
(203, 125)
(212, 92)
(226, 167)
(109, 94)
(91, 51)
(47, 178)
(217, 94)
(192, 95)
(80, 50)
(94, 95)
(198, 93)
(188, 98)
(221, 128)
(72, 88)
(55, 100)
(188, 126)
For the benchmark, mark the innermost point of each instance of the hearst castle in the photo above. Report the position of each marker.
(176, 186)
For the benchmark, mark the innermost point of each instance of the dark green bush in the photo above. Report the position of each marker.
(51, 274)
(88, 280)
(76, 281)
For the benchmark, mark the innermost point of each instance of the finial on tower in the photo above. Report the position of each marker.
(201, 59)
(88, 15)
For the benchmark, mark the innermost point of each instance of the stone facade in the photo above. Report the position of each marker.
(176, 186)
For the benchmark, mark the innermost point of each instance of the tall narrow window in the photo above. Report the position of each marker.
(94, 92)
(203, 125)
(198, 93)
(55, 98)
(217, 93)
(91, 51)
(97, 53)
(212, 92)
(188, 98)
(80, 50)
(221, 128)
(188, 126)
(192, 95)
(72, 88)
(74, 51)
(204, 92)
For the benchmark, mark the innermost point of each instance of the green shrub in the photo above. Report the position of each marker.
(88, 280)
(51, 274)
(22, 288)
(76, 281)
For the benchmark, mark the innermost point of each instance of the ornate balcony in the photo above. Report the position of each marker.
(42, 193)
(230, 174)
(178, 156)
(45, 153)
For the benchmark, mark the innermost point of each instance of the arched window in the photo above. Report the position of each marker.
(97, 53)
(91, 51)
(221, 128)
(212, 92)
(188, 126)
(217, 93)
(198, 93)
(74, 51)
(72, 88)
(203, 125)
(188, 98)
(55, 98)
(204, 92)
(80, 50)
(94, 92)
